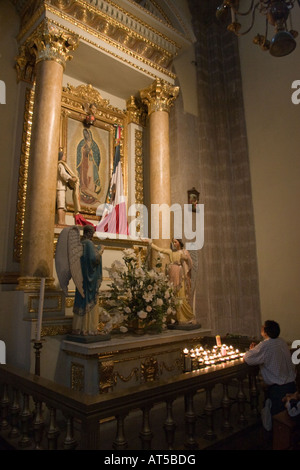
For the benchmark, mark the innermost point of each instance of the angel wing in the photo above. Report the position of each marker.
(67, 259)
(62, 261)
(75, 251)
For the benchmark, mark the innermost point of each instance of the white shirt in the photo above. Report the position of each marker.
(274, 358)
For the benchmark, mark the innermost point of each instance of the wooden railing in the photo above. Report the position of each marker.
(37, 413)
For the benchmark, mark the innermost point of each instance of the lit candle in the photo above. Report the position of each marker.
(187, 361)
(40, 311)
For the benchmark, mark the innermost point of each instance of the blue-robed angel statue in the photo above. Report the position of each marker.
(81, 260)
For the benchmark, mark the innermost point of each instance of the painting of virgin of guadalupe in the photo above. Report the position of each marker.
(88, 167)
(90, 155)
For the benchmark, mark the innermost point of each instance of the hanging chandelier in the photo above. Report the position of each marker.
(277, 13)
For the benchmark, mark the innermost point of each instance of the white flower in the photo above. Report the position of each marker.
(152, 274)
(128, 294)
(148, 308)
(123, 329)
(117, 266)
(129, 253)
(139, 272)
(159, 302)
(148, 296)
(142, 314)
(127, 310)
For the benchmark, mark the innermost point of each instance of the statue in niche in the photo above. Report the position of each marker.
(65, 179)
(81, 260)
(179, 271)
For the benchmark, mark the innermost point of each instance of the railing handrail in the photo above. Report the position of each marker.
(82, 405)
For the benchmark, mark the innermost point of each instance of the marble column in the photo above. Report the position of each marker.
(51, 47)
(159, 97)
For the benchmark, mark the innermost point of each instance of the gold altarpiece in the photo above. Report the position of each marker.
(49, 28)
(74, 104)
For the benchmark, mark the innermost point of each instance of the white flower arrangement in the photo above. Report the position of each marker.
(140, 294)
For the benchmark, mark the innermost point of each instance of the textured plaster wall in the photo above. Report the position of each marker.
(274, 141)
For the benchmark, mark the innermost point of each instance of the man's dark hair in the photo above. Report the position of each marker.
(272, 329)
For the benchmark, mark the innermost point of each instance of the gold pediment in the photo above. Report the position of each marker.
(109, 23)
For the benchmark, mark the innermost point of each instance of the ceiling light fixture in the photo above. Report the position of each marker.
(277, 13)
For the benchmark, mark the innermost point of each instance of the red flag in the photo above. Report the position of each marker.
(114, 216)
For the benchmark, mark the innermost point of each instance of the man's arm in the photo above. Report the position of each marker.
(255, 356)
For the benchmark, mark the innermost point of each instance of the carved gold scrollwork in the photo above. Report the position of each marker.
(46, 43)
(117, 27)
(54, 330)
(177, 365)
(88, 93)
(159, 96)
(133, 373)
(107, 378)
(25, 64)
(149, 369)
(136, 111)
(139, 178)
(50, 43)
(77, 377)
(23, 175)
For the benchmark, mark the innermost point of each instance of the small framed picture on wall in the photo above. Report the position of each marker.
(193, 198)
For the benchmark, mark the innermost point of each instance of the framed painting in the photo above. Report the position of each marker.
(88, 141)
(193, 198)
(81, 133)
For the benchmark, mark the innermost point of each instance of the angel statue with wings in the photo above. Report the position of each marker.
(179, 271)
(81, 260)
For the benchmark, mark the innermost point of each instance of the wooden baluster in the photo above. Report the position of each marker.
(170, 425)
(190, 420)
(25, 416)
(14, 411)
(209, 412)
(146, 435)
(4, 408)
(254, 394)
(241, 402)
(53, 431)
(120, 442)
(38, 426)
(226, 408)
(70, 442)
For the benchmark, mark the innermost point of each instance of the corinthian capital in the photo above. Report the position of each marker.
(159, 96)
(51, 43)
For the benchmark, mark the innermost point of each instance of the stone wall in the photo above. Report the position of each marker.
(210, 152)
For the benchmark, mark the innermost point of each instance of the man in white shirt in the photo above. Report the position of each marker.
(276, 367)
